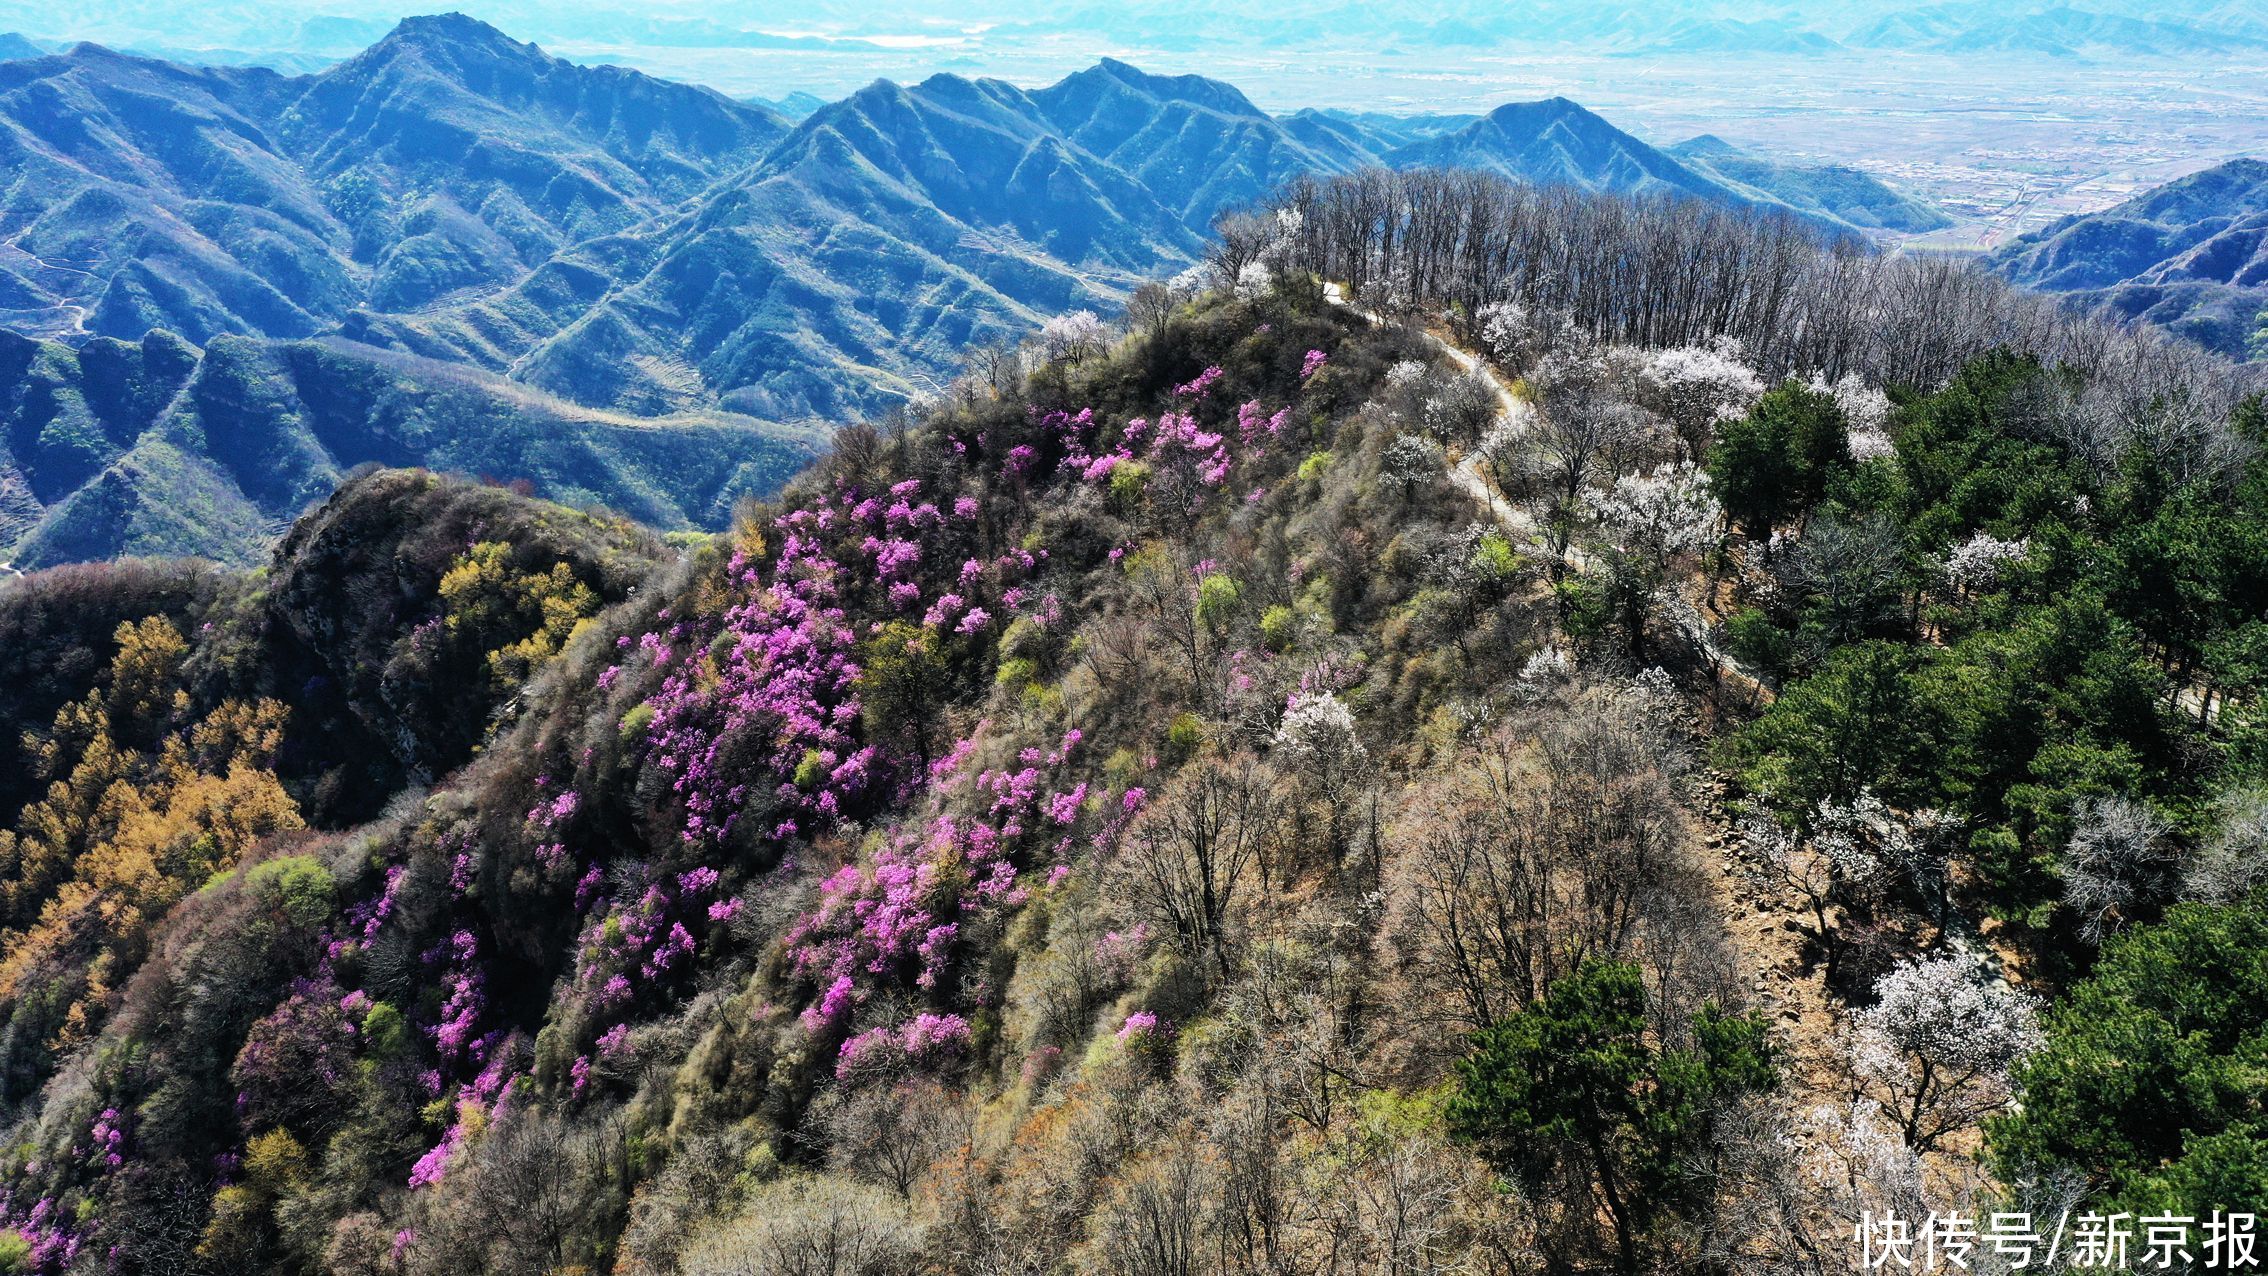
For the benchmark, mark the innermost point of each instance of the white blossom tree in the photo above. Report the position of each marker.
(1318, 739)
(1694, 387)
(1659, 515)
(1977, 564)
(1073, 338)
(1937, 1048)
(1410, 462)
(2234, 861)
(1518, 337)
(1253, 281)
(1649, 521)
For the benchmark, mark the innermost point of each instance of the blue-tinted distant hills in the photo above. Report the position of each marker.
(1557, 142)
(1830, 191)
(594, 236)
(2190, 256)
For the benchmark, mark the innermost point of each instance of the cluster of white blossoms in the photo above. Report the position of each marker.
(1517, 336)
(1191, 282)
(1075, 336)
(2119, 850)
(1865, 835)
(1253, 282)
(2234, 861)
(1410, 461)
(1405, 374)
(1866, 414)
(1978, 563)
(1548, 669)
(1944, 1011)
(1667, 512)
(1318, 731)
(1694, 385)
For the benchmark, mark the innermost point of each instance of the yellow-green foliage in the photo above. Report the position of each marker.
(142, 807)
(635, 722)
(299, 885)
(1278, 626)
(527, 616)
(1494, 559)
(1185, 736)
(1218, 597)
(1128, 483)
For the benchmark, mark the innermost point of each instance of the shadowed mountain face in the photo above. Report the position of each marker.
(2191, 255)
(1556, 142)
(156, 447)
(1828, 191)
(600, 237)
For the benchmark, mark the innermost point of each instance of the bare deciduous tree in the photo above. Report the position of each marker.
(1187, 856)
(812, 1226)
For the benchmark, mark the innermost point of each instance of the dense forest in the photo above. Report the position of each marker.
(1254, 790)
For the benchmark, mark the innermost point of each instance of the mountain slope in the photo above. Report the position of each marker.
(1556, 142)
(160, 448)
(146, 195)
(620, 242)
(883, 236)
(848, 270)
(1842, 194)
(462, 157)
(445, 157)
(2191, 256)
(1197, 145)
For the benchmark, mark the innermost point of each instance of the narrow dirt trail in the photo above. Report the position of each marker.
(1511, 410)
(1765, 923)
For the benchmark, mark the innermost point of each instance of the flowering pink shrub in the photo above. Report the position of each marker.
(108, 1136)
(1252, 424)
(50, 1245)
(900, 916)
(773, 685)
(432, 1167)
(926, 1040)
(1312, 364)
(1201, 386)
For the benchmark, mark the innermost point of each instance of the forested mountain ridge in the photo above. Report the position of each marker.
(157, 447)
(1137, 814)
(2190, 256)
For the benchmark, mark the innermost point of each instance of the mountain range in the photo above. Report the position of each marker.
(562, 234)
(156, 447)
(2190, 256)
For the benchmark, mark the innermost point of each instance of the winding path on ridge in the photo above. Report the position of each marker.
(1763, 923)
(1511, 409)
(1520, 416)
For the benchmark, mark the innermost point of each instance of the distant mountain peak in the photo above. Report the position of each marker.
(1706, 144)
(1544, 112)
(451, 39)
(1194, 90)
(453, 26)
